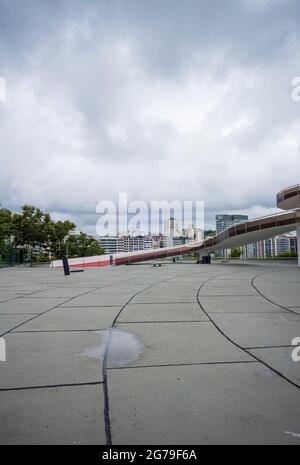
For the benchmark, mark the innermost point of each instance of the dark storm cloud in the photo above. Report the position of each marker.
(167, 32)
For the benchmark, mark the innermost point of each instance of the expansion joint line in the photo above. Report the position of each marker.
(281, 375)
(267, 298)
(107, 423)
(37, 315)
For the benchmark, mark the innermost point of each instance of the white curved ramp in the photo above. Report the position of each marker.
(234, 236)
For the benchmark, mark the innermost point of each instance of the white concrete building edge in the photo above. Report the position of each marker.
(298, 243)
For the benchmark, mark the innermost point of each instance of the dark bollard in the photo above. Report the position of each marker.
(66, 266)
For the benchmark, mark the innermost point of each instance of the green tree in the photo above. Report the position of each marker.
(82, 245)
(210, 232)
(5, 225)
(35, 231)
(30, 226)
(236, 252)
(288, 254)
(58, 233)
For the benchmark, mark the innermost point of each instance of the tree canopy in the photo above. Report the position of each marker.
(210, 232)
(235, 252)
(32, 229)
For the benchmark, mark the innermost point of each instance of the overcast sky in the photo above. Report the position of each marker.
(162, 99)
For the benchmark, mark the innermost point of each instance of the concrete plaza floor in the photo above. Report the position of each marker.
(177, 354)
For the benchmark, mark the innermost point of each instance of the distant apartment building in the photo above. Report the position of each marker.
(137, 243)
(168, 241)
(111, 244)
(193, 233)
(116, 244)
(175, 237)
(225, 221)
(281, 244)
(250, 250)
(272, 247)
(293, 244)
(135, 240)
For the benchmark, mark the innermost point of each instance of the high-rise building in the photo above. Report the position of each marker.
(172, 228)
(224, 221)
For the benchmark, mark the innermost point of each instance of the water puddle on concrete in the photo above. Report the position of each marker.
(124, 348)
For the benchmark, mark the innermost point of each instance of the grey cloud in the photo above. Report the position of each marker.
(163, 100)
